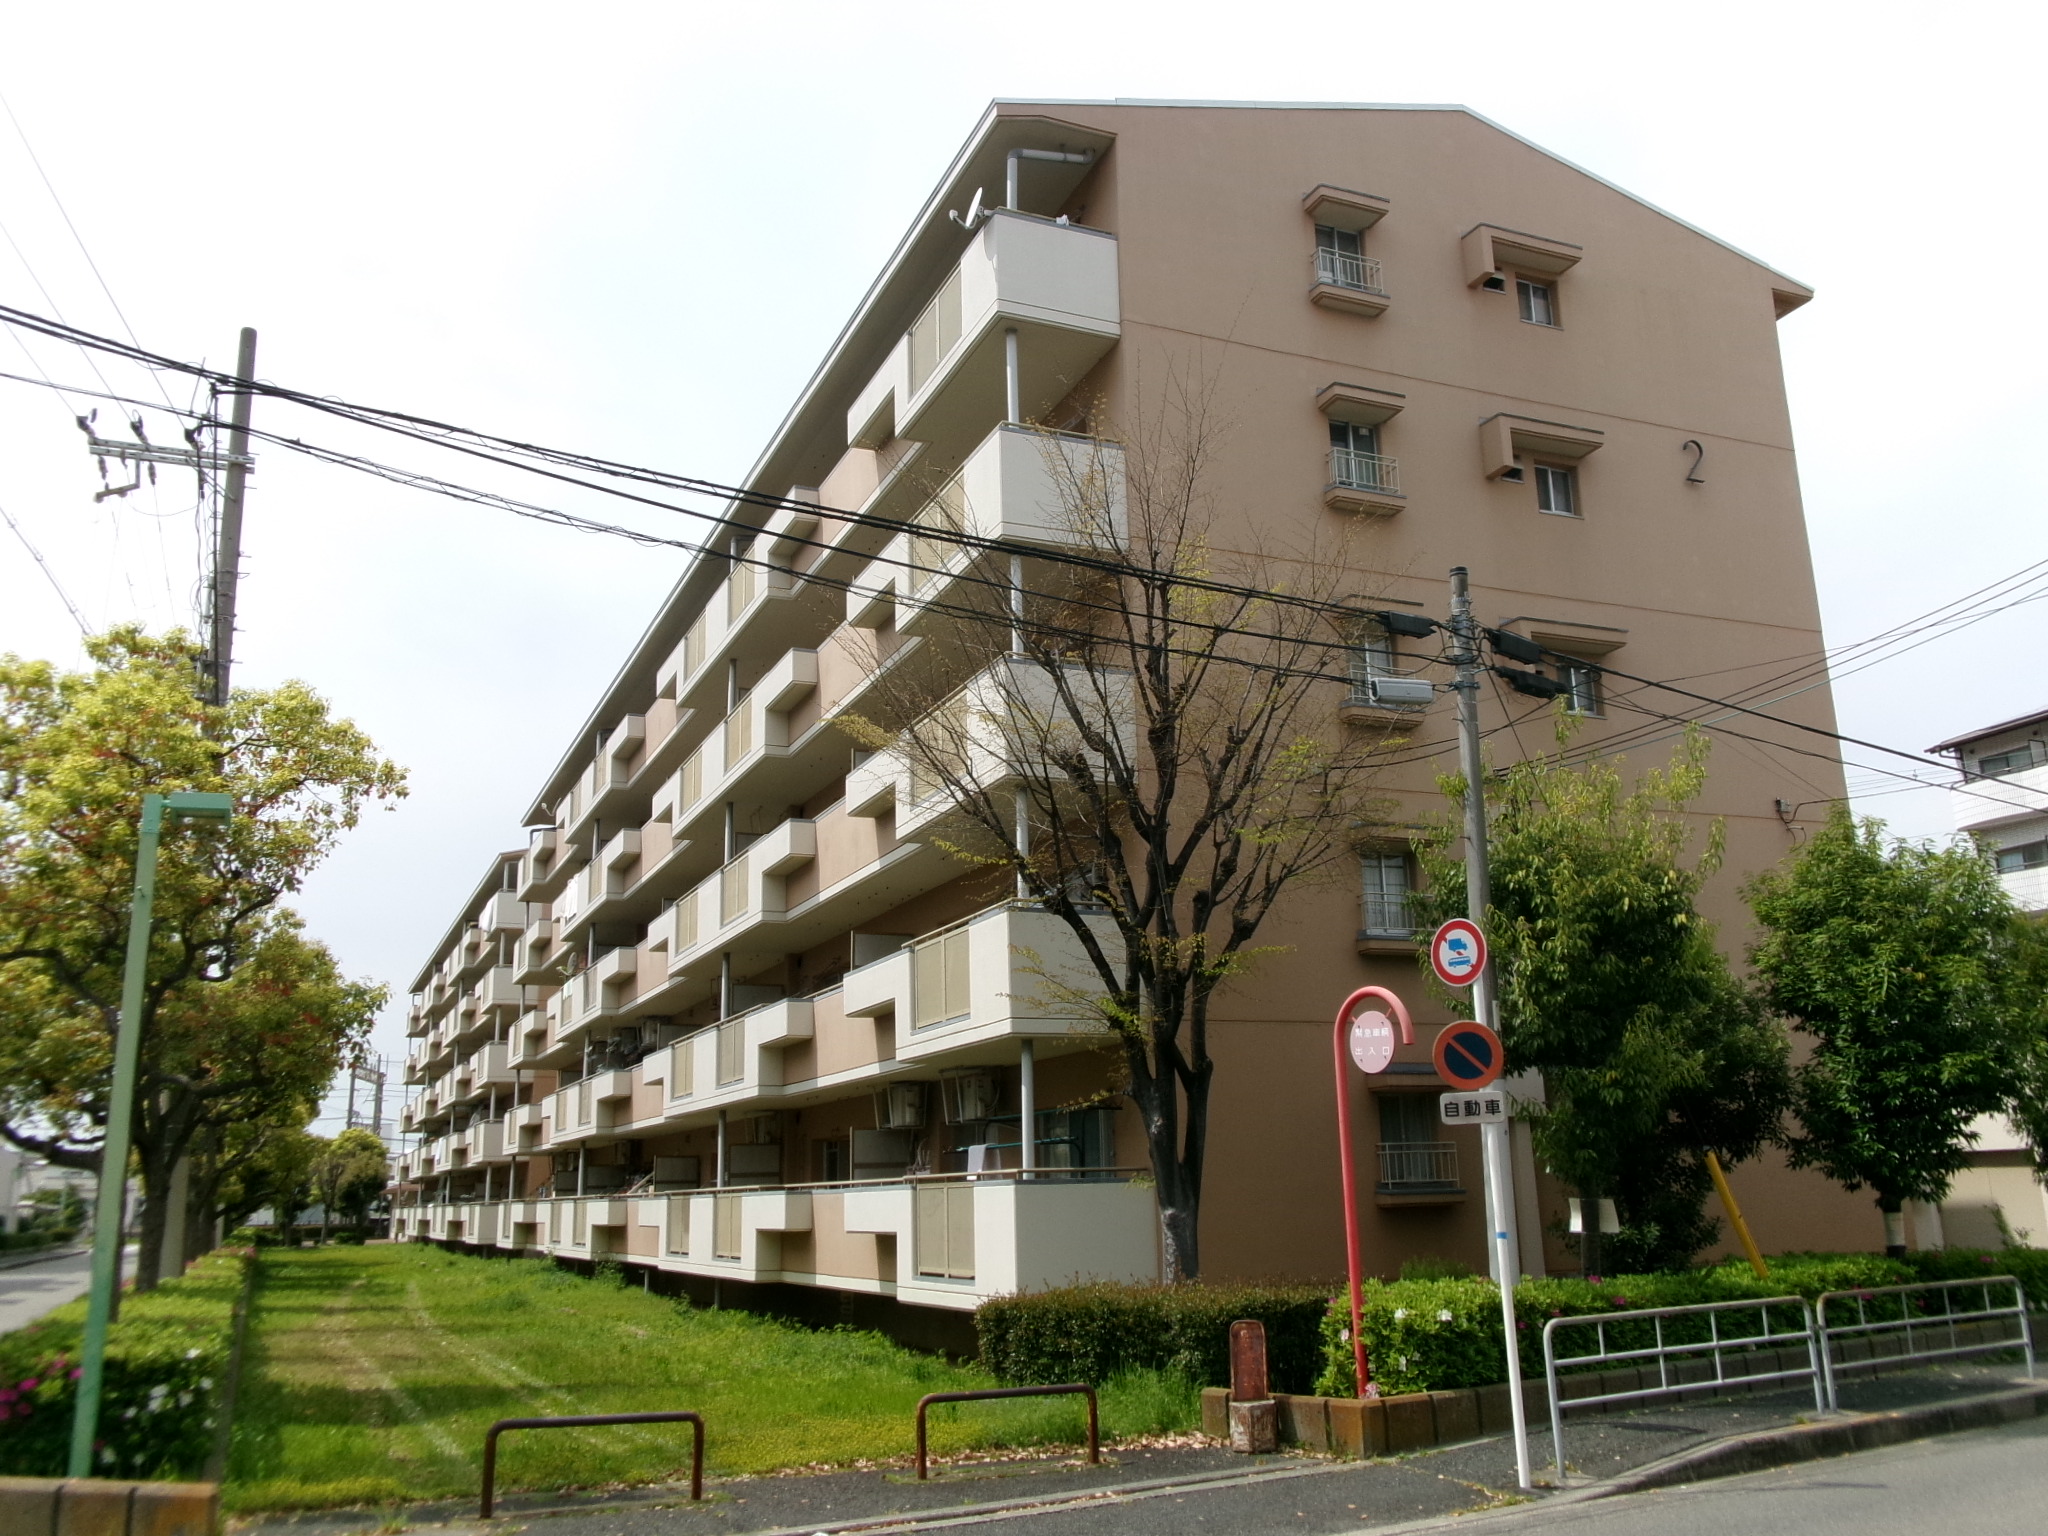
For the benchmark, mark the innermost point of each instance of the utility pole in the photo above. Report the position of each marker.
(1493, 1136)
(227, 555)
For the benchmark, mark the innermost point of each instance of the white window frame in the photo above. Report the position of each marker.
(1549, 479)
(2019, 852)
(1373, 868)
(2009, 760)
(1581, 681)
(1536, 302)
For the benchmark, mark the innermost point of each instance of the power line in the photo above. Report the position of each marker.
(462, 439)
(48, 574)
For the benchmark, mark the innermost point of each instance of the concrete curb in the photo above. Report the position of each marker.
(1768, 1448)
(20, 1260)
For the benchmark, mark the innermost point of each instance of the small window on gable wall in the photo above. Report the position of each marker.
(2023, 856)
(1581, 687)
(1538, 301)
(1557, 490)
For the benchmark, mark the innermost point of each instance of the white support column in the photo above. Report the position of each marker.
(1013, 386)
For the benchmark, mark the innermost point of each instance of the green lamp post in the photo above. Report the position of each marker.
(186, 805)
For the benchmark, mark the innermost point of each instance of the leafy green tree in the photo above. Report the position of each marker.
(2027, 1001)
(1894, 957)
(1611, 987)
(241, 1012)
(348, 1173)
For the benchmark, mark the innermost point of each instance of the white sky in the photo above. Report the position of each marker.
(634, 229)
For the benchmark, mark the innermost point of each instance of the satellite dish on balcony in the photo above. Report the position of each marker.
(974, 213)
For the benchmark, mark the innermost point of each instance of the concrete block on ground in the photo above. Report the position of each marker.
(175, 1509)
(1457, 1416)
(1305, 1421)
(29, 1505)
(1411, 1421)
(1495, 1415)
(1358, 1427)
(1216, 1412)
(1255, 1427)
(89, 1506)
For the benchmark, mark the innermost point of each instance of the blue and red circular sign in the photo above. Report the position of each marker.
(1457, 952)
(1468, 1055)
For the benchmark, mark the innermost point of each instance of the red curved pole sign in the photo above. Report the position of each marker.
(1345, 1015)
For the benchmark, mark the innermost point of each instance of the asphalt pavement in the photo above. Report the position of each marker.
(32, 1289)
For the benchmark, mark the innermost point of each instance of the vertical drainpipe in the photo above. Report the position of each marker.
(1027, 1105)
(718, 1169)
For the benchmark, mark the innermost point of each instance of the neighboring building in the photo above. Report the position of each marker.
(2002, 802)
(730, 956)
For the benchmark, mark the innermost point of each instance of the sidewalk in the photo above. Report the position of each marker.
(1137, 1492)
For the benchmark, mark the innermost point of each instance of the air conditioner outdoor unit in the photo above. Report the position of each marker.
(900, 1106)
(1403, 692)
(969, 1095)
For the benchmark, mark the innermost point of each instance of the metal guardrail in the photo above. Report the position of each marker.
(586, 1421)
(1341, 269)
(1094, 1430)
(1902, 1314)
(1665, 1350)
(1358, 471)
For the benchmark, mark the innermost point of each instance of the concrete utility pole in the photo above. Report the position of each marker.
(1493, 1137)
(227, 554)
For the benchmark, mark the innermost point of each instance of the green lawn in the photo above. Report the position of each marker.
(372, 1373)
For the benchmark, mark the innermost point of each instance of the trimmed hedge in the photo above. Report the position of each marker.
(2029, 1266)
(1091, 1332)
(167, 1361)
(1440, 1334)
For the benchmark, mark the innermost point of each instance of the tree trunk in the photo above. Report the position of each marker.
(1893, 1208)
(156, 1182)
(1589, 1232)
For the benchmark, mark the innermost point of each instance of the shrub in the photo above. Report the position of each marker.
(166, 1361)
(1092, 1332)
(1433, 1335)
(2029, 1266)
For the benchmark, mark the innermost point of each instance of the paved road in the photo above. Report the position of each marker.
(33, 1289)
(1988, 1480)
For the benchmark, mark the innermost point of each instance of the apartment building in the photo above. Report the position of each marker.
(2001, 800)
(735, 1014)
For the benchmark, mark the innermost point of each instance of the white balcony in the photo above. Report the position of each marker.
(1983, 803)
(1011, 713)
(1055, 283)
(1365, 483)
(1011, 970)
(1021, 485)
(1342, 281)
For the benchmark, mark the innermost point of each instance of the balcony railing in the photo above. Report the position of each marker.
(1341, 270)
(1418, 1165)
(1364, 471)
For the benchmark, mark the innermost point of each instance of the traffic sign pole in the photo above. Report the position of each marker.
(1347, 1016)
(1493, 1138)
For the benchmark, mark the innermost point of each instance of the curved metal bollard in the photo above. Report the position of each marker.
(585, 1421)
(1094, 1434)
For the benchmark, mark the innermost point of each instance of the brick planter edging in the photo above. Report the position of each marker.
(47, 1506)
(1384, 1426)
(1380, 1426)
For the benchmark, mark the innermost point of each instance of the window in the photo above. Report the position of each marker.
(1557, 490)
(1355, 458)
(1996, 765)
(1386, 888)
(1581, 687)
(1536, 301)
(1373, 656)
(2023, 856)
(1341, 259)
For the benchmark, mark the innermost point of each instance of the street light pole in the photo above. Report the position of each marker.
(106, 1241)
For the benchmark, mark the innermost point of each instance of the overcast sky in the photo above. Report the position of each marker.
(634, 229)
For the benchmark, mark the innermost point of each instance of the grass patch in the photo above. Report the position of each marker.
(372, 1374)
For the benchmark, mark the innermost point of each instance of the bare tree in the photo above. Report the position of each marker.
(1149, 743)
